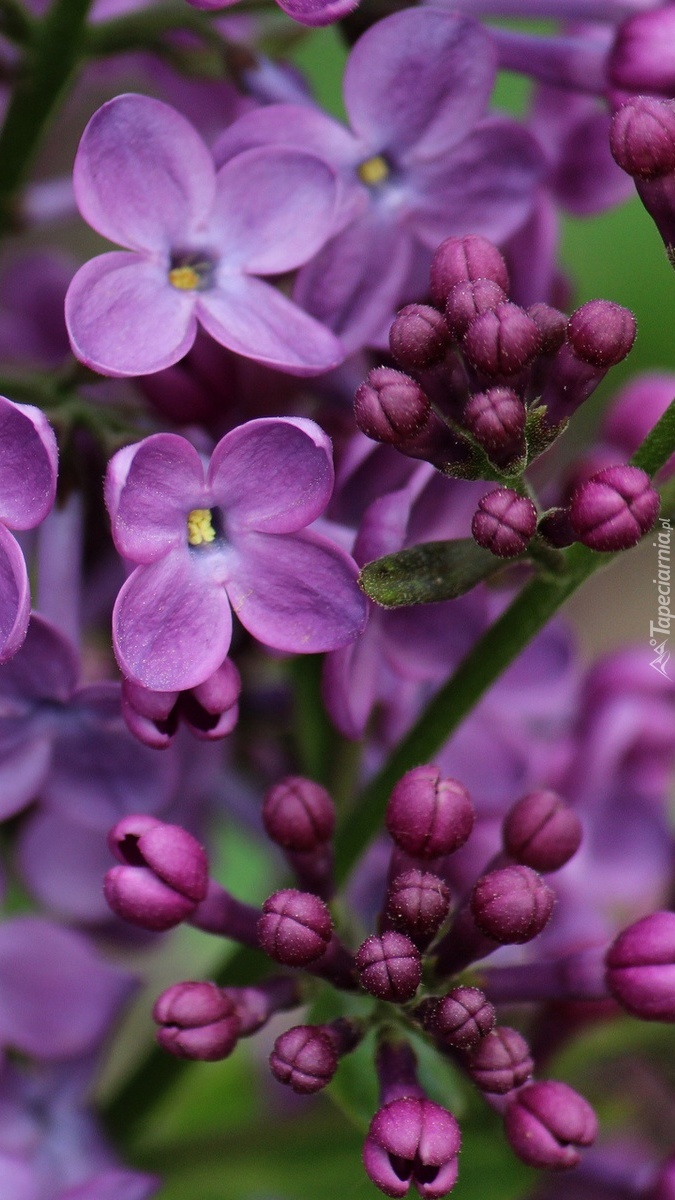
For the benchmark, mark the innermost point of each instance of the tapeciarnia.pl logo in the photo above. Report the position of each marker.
(661, 626)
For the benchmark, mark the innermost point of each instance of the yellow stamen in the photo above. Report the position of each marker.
(199, 525)
(373, 170)
(186, 279)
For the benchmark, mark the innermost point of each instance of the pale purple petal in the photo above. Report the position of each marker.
(296, 592)
(274, 208)
(256, 320)
(143, 177)
(301, 127)
(172, 624)
(350, 681)
(57, 997)
(28, 465)
(125, 318)
(317, 12)
(23, 768)
(17, 1178)
(46, 668)
(151, 488)
(62, 864)
(14, 595)
(272, 475)
(416, 82)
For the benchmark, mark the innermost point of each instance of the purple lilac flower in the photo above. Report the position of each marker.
(233, 536)
(195, 240)
(307, 12)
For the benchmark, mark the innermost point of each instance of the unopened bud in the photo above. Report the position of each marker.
(390, 407)
(417, 905)
(467, 300)
(614, 508)
(196, 1021)
(504, 522)
(304, 1058)
(298, 814)
(512, 905)
(542, 831)
(163, 876)
(640, 968)
(547, 1123)
(464, 258)
(428, 816)
(601, 333)
(502, 342)
(496, 419)
(389, 967)
(501, 1061)
(461, 1019)
(642, 137)
(295, 927)
(418, 337)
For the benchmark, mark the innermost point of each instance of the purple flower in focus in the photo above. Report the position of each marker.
(195, 242)
(233, 536)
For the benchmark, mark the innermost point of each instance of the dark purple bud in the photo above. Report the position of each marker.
(542, 831)
(601, 333)
(197, 1021)
(642, 57)
(614, 508)
(546, 1123)
(298, 814)
(640, 970)
(465, 258)
(504, 522)
(412, 1141)
(462, 1018)
(390, 407)
(496, 419)
(642, 137)
(389, 966)
(512, 905)
(501, 1061)
(164, 876)
(417, 905)
(295, 927)
(418, 337)
(556, 528)
(502, 342)
(428, 816)
(305, 1058)
(552, 326)
(467, 300)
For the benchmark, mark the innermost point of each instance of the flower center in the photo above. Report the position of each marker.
(191, 272)
(200, 527)
(373, 171)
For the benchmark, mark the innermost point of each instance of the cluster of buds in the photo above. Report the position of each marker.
(485, 386)
(415, 960)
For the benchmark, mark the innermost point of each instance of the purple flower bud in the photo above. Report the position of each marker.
(412, 1141)
(640, 967)
(642, 137)
(298, 814)
(417, 905)
(197, 1021)
(614, 508)
(460, 258)
(501, 1061)
(512, 905)
(389, 966)
(601, 333)
(390, 407)
(503, 341)
(428, 816)
(556, 528)
(295, 927)
(552, 326)
(418, 337)
(164, 875)
(461, 1019)
(467, 300)
(504, 522)
(642, 58)
(542, 831)
(547, 1122)
(496, 419)
(305, 1058)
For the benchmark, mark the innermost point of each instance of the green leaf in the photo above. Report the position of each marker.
(658, 445)
(428, 573)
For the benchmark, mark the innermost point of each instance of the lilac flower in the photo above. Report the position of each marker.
(195, 242)
(307, 12)
(233, 535)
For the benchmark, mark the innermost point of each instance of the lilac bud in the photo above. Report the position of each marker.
(298, 814)
(504, 522)
(552, 326)
(389, 966)
(197, 1021)
(305, 1058)
(500, 1062)
(512, 905)
(642, 137)
(642, 57)
(601, 333)
(503, 341)
(417, 905)
(418, 337)
(462, 1018)
(428, 816)
(556, 528)
(464, 258)
(640, 968)
(295, 927)
(467, 300)
(546, 1123)
(542, 831)
(496, 419)
(164, 876)
(412, 1141)
(614, 508)
(390, 407)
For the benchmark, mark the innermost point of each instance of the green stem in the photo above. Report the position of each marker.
(15, 23)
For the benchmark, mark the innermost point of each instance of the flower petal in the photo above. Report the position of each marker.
(151, 488)
(28, 465)
(143, 177)
(125, 318)
(14, 595)
(317, 12)
(274, 475)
